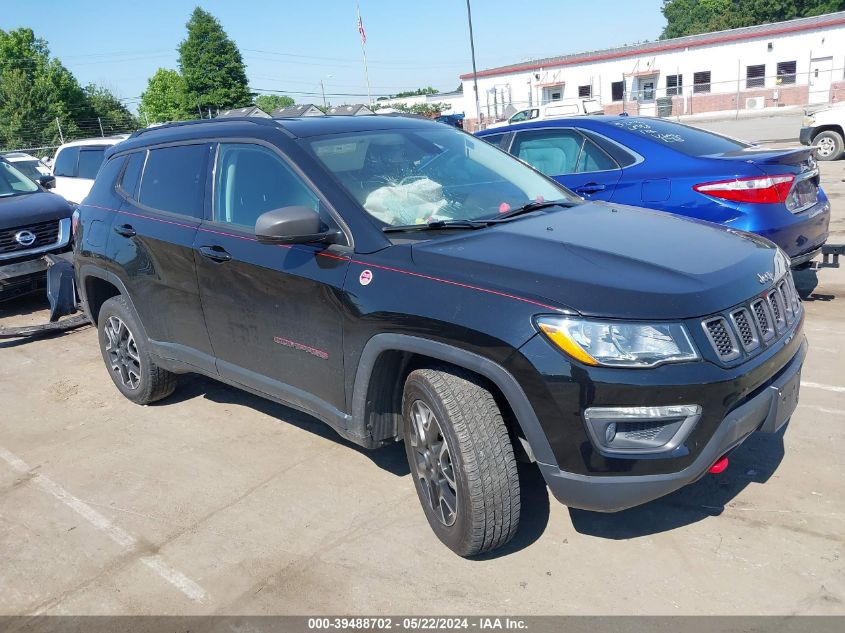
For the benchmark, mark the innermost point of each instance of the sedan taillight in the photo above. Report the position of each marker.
(759, 190)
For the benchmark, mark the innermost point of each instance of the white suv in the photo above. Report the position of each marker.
(75, 165)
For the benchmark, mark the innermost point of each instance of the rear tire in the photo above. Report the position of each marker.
(829, 145)
(461, 459)
(126, 354)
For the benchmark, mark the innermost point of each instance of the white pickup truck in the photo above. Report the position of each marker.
(823, 128)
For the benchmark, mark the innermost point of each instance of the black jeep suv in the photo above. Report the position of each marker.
(403, 281)
(34, 223)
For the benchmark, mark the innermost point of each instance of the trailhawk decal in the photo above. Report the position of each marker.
(301, 347)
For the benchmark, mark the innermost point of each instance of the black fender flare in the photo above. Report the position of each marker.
(495, 373)
(89, 270)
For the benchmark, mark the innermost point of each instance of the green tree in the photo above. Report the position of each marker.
(212, 65)
(166, 98)
(689, 17)
(268, 103)
(112, 114)
(428, 90)
(37, 94)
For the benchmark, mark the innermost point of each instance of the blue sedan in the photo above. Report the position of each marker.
(673, 167)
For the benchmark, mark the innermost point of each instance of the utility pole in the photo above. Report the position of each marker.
(101, 127)
(474, 71)
(61, 136)
(323, 90)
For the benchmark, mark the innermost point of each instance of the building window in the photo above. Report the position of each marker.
(786, 73)
(674, 85)
(701, 82)
(755, 76)
(585, 91)
(617, 90)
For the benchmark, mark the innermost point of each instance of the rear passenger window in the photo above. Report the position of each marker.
(89, 162)
(132, 175)
(174, 179)
(553, 152)
(66, 162)
(251, 180)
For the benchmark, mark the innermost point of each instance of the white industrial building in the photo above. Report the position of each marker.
(787, 63)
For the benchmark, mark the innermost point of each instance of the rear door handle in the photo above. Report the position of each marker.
(125, 230)
(215, 253)
(591, 187)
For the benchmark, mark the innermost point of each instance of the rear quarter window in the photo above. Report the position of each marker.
(106, 180)
(132, 174)
(683, 138)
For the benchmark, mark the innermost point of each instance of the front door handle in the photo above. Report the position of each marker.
(591, 187)
(215, 253)
(125, 230)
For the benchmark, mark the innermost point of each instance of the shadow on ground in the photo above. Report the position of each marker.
(755, 461)
(806, 281)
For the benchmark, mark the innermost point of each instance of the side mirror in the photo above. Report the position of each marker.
(291, 225)
(48, 182)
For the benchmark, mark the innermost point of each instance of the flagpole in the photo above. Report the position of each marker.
(364, 52)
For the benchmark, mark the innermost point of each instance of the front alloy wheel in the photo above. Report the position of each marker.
(433, 463)
(122, 353)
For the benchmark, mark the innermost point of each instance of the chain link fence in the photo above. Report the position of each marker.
(41, 137)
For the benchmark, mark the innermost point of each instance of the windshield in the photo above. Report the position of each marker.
(417, 176)
(13, 182)
(32, 169)
(688, 140)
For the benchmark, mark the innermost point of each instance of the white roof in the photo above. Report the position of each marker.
(99, 140)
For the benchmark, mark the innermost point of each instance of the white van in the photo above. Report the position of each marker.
(76, 164)
(553, 110)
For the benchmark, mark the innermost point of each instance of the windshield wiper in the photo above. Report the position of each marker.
(534, 206)
(436, 225)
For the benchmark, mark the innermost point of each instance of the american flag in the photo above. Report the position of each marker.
(361, 28)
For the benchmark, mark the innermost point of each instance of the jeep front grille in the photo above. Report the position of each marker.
(751, 327)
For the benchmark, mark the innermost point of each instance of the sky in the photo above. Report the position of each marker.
(290, 46)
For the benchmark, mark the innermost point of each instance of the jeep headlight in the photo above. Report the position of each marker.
(619, 344)
(808, 120)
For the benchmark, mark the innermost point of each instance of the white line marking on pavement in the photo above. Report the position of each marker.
(816, 385)
(824, 409)
(119, 536)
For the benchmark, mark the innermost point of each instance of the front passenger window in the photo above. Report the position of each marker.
(251, 180)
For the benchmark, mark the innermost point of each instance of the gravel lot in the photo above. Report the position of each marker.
(215, 501)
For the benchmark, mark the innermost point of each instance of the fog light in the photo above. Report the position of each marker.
(630, 430)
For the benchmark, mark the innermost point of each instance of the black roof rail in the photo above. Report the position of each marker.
(234, 119)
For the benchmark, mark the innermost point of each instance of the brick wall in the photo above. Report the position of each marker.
(837, 91)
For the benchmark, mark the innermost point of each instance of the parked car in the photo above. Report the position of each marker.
(27, 164)
(34, 223)
(822, 128)
(553, 110)
(76, 163)
(672, 167)
(402, 280)
(455, 120)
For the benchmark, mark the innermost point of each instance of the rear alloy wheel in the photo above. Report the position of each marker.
(829, 145)
(125, 353)
(461, 459)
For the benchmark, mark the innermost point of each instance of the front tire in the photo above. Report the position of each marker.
(461, 459)
(829, 145)
(126, 354)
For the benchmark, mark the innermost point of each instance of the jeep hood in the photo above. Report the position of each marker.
(607, 260)
(29, 208)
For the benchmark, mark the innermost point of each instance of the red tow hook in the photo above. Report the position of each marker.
(720, 465)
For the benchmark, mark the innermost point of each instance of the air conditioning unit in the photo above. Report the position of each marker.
(755, 103)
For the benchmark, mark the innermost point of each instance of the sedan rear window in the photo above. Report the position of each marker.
(683, 138)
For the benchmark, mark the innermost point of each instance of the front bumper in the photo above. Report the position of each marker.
(767, 411)
(27, 276)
